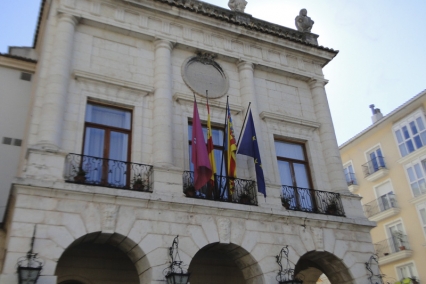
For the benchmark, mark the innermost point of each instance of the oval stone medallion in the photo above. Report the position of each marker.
(202, 73)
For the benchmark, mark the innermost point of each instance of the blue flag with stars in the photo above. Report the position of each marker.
(249, 147)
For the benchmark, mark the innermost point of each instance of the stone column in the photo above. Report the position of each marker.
(163, 105)
(248, 94)
(328, 139)
(52, 114)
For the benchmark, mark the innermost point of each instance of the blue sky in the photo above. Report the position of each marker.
(382, 44)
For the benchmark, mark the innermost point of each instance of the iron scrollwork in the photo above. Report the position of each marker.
(285, 275)
(374, 278)
(311, 200)
(91, 170)
(223, 189)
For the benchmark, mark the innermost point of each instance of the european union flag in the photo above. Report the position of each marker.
(249, 147)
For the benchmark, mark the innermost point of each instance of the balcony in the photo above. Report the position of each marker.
(375, 169)
(244, 191)
(89, 170)
(311, 201)
(393, 249)
(382, 208)
(351, 181)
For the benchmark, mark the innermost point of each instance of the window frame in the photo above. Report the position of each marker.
(422, 165)
(379, 161)
(406, 122)
(419, 207)
(108, 129)
(291, 161)
(347, 165)
(411, 263)
(388, 195)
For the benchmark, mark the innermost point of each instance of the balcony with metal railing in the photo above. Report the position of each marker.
(223, 189)
(351, 181)
(89, 170)
(311, 201)
(395, 248)
(382, 208)
(375, 168)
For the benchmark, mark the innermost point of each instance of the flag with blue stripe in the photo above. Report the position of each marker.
(248, 146)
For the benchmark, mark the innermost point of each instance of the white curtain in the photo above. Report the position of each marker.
(108, 116)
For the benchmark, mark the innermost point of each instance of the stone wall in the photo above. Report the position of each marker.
(143, 226)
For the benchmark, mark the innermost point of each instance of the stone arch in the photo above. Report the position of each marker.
(115, 251)
(312, 264)
(225, 263)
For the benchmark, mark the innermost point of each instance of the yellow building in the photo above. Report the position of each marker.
(386, 165)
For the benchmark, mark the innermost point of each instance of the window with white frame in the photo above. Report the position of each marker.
(385, 196)
(376, 161)
(422, 214)
(416, 177)
(397, 238)
(410, 133)
(406, 271)
(349, 174)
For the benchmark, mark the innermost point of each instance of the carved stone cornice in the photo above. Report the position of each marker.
(244, 20)
(17, 62)
(179, 97)
(289, 119)
(80, 74)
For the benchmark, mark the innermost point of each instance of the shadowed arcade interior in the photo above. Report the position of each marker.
(99, 258)
(225, 264)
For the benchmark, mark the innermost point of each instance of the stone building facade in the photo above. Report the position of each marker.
(130, 61)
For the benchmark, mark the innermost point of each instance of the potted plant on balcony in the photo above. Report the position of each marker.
(189, 190)
(400, 237)
(286, 201)
(80, 174)
(245, 197)
(139, 184)
(332, 207)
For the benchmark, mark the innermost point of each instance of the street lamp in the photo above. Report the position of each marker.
(29, 266)
(175, 273)
(286, 276)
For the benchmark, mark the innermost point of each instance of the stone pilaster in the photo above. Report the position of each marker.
(163, 105)
(330, 148)
(248, 94)
(50, 129)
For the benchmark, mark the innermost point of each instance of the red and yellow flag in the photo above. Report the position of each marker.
(210, 148)
(231, 151)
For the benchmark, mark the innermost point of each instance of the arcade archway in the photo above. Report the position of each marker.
(313, 264)
(98, 258)
(225, 264)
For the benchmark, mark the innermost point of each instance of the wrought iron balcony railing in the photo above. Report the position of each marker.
(381, 204)
(311, 200)
(350, 179)
(373, 165)
(91, 170)
(223, 189)
(394, 244)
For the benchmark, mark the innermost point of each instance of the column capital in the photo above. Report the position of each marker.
(315, 83)
(163, 43)
(244, 65)
(73, 20)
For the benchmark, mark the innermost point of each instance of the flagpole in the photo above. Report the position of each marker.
(245, 118)
(223, 144)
